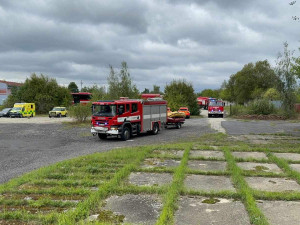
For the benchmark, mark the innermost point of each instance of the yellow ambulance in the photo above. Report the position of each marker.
(23, 110)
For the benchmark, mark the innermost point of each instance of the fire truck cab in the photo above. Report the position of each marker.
(127, 117)
(216, 108)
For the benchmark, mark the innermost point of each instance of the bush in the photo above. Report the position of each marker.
(80, 112)
(261, 107)
(237, 110)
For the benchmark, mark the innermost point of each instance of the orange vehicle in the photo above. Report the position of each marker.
(186, 111)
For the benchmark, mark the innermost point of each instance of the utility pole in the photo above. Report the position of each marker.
(81, 85)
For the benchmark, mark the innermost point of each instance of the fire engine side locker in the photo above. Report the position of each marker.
(153, 113)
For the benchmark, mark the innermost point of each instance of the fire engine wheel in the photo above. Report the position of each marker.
(178, 125)
(102, 136)
(155, 129)
(125, 134)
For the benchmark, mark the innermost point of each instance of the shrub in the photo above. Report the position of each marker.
(261, 107)
(80, 112)
(237, 110)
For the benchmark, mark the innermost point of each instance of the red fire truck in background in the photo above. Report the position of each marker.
(81, 97)
(203, 102)
(127, 117)
(216, 108)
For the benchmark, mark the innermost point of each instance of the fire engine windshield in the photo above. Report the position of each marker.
(214, 103)
(104, 110)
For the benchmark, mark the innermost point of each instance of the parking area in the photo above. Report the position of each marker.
(28, 144)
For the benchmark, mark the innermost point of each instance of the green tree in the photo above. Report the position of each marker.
(287, 76)
(146, 91)
(120, 85)
(73, 87)
(43, 91)
(156, 90)
(98, 93)
(210, 93)
(251, 82)
(272, 94)
(179, 93)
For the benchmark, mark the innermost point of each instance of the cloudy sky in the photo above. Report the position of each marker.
(201, 41)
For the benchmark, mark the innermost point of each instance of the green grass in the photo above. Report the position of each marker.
(68, 192)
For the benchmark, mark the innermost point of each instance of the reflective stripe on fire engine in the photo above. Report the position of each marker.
(155, 116)
(128, 118)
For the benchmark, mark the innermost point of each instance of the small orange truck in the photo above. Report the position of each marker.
(186, 111)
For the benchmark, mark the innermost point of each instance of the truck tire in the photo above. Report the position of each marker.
(125, 134)
(102, 136)
(155, 129)
(178, 125)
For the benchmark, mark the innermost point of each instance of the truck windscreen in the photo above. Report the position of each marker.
(214, 103)
(104, 110)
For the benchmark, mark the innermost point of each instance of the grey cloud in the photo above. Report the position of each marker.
(202, 41)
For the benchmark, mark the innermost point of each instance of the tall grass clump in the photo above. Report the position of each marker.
(261, 107)
(237, 110)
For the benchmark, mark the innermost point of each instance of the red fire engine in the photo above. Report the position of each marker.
(202, 102)
(216, 108)
(125, 118)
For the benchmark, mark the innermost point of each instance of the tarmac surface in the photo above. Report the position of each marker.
(28, 144)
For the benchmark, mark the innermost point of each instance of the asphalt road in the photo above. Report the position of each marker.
(239, 127)
(34, 143)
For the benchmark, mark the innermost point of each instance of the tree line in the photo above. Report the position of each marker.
(46, 93)
(260, 80)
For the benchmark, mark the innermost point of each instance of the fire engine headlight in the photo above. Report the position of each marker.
(114, 128)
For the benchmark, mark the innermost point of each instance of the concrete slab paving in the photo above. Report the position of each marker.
(194, 211)
(295, 167)
(207, 154)
(260, 167)
(150, 179)
(156, 162)
(245, 155)
(281, 212)
(207, 165)
(208, 183)
(137, 209)
(273, 184)
(289, 156)
(178, 153)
